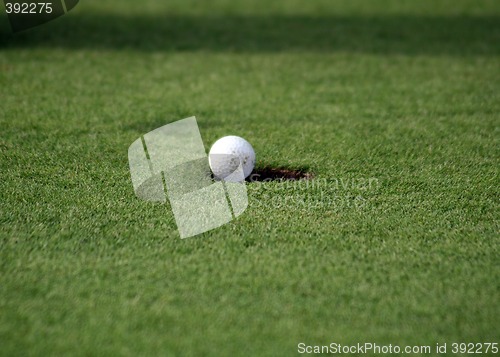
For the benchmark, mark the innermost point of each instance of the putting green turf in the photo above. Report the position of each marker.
(405, 93)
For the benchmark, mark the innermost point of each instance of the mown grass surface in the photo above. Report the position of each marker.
(405, 93)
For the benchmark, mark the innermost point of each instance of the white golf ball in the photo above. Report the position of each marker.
(227, 153)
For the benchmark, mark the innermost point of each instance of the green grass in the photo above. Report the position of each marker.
(404, 92)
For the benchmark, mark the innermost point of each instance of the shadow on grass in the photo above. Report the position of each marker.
(397, 34)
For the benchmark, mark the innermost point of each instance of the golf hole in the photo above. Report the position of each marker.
(278, 174)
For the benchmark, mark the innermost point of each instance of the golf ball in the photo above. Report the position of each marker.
(227, 153)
